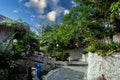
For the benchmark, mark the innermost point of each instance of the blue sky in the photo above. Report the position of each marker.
(35, 12)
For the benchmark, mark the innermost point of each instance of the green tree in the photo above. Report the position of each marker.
(88, 21)
(91, 17)
(93, 20)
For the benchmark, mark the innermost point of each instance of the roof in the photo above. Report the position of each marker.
(6, 22)
(2, 17)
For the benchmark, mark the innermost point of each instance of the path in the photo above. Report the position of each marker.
(67, 73)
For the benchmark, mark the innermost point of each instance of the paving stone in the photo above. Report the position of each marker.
(67, 73)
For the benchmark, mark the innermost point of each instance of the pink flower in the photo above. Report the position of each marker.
(96, 1)
(102, 19)
(34, 43)
(112, 22)
(55, 47)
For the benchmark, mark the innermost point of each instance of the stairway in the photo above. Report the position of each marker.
(78, 63)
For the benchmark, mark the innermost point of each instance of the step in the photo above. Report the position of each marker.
(78, 63)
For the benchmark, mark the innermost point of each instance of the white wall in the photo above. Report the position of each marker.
(116, 38)
(103, 67)
(76, 54)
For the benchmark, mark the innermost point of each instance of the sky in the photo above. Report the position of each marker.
(36, 12)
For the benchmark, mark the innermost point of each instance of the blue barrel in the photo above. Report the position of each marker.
(38, 71)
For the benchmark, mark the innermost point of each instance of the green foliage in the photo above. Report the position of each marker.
(28, 45)
(102, 48)
(94, 18)
(60, 39)
(115, 9)
(7, 56)
(6, 59)
(19, 27)
(62, 56)
(18, 23)
(88, 20)
(44, 72)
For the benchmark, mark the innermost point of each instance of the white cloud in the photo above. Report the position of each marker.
(40, 5)
(66, 11)
(20, 0)
(59, 9)
(73, 3)
(55, 2)
(15, 11)
(27, 4)
(55, 6)
(52, 16)
(42, 16)
(32, 17)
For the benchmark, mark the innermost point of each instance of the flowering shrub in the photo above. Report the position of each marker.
(28, 45)
(89, 19)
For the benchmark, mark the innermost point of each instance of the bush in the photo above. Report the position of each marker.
(102, 48)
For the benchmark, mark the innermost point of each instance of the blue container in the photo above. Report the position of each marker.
(38, 71)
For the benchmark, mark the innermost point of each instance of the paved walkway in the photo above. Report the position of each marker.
(67, 73)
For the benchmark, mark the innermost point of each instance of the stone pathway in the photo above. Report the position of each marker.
(67, 73)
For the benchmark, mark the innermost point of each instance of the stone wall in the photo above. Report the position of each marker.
(6, 36)
(45, 61)
(2, 36)
(5, 33)
(107, 68)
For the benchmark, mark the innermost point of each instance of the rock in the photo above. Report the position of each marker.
(103, 68)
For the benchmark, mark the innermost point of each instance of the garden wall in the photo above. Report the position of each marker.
(107, 68)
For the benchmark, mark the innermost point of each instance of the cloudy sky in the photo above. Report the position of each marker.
(36, 11)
